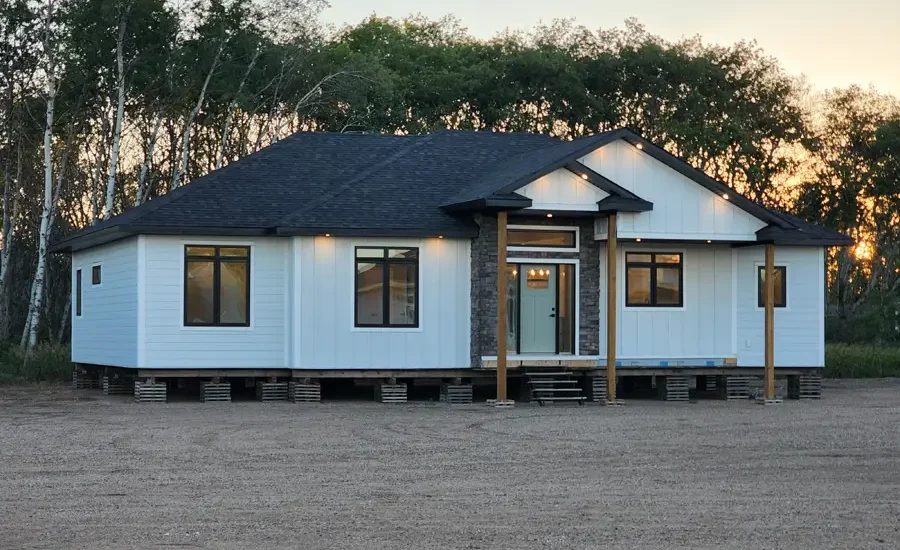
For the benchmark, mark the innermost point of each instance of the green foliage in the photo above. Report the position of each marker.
(861, 361)
(46, 363)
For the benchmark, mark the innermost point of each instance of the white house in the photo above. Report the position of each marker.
(341, 255)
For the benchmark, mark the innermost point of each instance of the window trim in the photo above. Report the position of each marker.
(559, 228)
(760, 301)
(652, 265)
(217, 260)
(385, 303)
(93, 267)
(79, 299)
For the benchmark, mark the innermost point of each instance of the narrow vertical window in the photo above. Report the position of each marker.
(78, 293)
(780, 286)
(387, 287)
(217, 286)
(96, 275)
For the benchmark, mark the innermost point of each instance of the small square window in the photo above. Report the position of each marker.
(780, 286)
(96, 275)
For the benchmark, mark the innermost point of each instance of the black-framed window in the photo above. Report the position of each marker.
(544, 238)
(780, 286)
(654, 279)
(387, 287)
(78, 293)
(96, 275)
(216, 286)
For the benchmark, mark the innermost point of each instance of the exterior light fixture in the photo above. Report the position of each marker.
(725, 196)
(637, 240)
(639, 145)
(584, 176)
(440, 236)
(327, 234)
(708, 241)
(515, 272)
(549, 215)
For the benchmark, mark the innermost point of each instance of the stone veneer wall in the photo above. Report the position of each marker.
(484, 282)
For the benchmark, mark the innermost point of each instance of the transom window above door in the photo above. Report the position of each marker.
(654, 279)
(539, 237)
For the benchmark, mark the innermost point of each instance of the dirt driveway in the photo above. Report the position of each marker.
(78, 470)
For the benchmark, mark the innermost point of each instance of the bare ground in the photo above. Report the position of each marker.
(78, 470)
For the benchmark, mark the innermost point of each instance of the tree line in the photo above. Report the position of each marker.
(107, 104)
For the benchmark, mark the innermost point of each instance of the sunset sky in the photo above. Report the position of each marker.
(835, 43)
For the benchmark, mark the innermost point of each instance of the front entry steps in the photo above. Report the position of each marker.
(548, 385)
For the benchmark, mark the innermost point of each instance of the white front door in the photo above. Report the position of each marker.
(538, 309)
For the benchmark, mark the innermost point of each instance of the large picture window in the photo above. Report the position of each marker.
(387, 287)
(780, 286)
(544, 237)
(654, 279)
(216, 286)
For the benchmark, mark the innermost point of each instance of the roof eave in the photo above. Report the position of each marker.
(490, 204)
(459, 233)
(612, 204)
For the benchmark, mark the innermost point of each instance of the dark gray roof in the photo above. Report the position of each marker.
(384, 185)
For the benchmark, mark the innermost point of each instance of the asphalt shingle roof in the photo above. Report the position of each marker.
(364, 184)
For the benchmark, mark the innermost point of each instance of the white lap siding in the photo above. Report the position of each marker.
(324, 335)
(799, 327)
(106, 332)
(169, 344)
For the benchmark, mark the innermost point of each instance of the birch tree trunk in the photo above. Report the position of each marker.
(7, 236)
(29, 336)
(117, 125)
(143, 187)
(231, 108)
(179, 172)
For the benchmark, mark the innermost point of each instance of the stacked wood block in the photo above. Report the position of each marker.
(734, 387)
(390, 393)
(674, 388)
(598, 390)
(149, 392)
(272, 391)
(303, 392)
(805, 386)
(456, 394)
(84, 380)
(118, 385)
(216, 391)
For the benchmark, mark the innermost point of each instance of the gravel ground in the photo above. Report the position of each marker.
(79, 470)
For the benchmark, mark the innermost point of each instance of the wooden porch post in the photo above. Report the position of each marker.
(501, 307)
(611, 308)
(770, 322)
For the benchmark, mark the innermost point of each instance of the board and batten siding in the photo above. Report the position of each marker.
(324, 335)
(106, 333)
(799, 327)
(682, 208)
(167, 343)
(701, 329)
(562, 190)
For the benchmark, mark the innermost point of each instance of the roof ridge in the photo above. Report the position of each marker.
(353, 181)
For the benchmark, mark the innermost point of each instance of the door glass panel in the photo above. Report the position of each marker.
(512, 308)
(565, 308)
